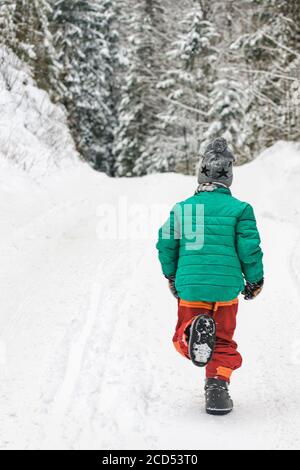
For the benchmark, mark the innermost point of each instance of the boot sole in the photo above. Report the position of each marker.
(202, 340)
(218, 412)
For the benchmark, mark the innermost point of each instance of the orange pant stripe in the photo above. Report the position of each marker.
(224, 372)
(208, 305)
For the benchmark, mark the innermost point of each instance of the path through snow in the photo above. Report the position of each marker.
(86, 325)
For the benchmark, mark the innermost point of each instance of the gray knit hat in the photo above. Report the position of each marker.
(216, 165)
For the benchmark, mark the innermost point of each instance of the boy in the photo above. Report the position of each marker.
(209, 250)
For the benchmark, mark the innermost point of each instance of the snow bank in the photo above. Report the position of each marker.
(274, 177)
(33, 132)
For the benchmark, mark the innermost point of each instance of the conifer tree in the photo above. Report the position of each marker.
(27, 33)
(7, 30)
(138, 126)
(85, 42)
(189, 82)
(271, 59)
(227, 117)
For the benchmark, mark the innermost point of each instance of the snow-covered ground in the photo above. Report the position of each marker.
(86, 358)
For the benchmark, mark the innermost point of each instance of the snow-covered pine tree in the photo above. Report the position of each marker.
(85, 41)
(129, 139)
(137, 134)
(270, 59)
(107, 65)
(155, 25)
(7, 30)
(188, 83)
(291, 11)
(26, 32)
(227, 117)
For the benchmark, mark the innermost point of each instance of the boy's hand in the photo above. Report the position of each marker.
(252, 289)
(172, 288)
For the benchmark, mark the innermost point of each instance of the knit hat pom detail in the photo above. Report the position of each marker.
(219, 145)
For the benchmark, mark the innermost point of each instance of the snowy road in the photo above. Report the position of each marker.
(86, 324)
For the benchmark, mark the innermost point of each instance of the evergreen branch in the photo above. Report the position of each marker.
(266, 72)
(282, 46)
(184, 106)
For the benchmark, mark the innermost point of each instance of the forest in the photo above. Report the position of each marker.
(146, 84)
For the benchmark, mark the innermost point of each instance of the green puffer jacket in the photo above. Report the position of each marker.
(211, 244)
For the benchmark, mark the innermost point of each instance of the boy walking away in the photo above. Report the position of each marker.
(209, 250)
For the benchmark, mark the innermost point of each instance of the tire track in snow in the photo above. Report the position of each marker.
(133, 401)
(80, 347)
(103, 363)
(115, 337)
(33, 237)
(128, 402)
(77, 349)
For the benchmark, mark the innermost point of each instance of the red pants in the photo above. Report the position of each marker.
(226, 358)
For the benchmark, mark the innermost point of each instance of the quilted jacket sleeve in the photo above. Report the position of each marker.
(168, 243)
(248, 246)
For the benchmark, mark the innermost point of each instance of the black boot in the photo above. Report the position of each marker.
(218, 401)
(202, 338)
